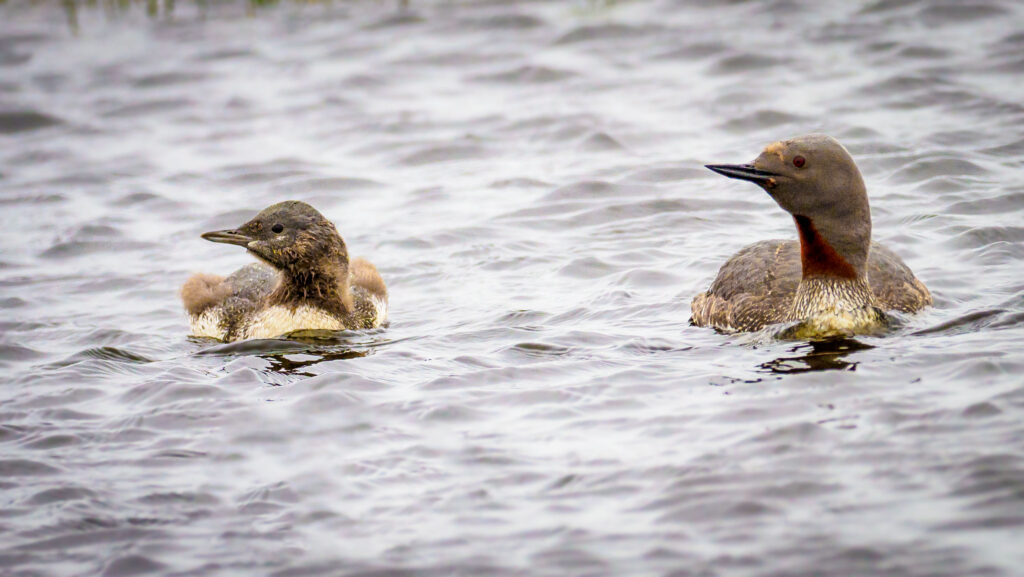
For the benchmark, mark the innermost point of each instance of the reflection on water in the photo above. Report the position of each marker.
(292, 364)
(823, 355)
(528, 177)
(300, 350)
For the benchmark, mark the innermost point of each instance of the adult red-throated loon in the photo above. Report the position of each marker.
(834, 279)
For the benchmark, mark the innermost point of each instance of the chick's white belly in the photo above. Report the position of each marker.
(278, 320)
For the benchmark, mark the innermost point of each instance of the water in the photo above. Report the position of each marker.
(527, 177)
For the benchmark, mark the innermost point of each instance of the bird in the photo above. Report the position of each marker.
(304, 280)
(832, 282)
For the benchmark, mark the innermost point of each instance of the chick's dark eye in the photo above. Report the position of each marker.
(280, 227)
(799, 162)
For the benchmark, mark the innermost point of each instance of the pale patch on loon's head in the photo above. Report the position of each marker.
(815, 179)
(287, 235)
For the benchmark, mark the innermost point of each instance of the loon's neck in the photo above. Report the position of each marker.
(834, 297)
(323, 284)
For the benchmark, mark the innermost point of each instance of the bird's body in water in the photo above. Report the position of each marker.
(833, 281)
(304, 282)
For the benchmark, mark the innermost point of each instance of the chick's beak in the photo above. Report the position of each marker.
(228, 237)
(744, 172)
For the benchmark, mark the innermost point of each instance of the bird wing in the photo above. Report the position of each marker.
(893, 283)
(753, 289)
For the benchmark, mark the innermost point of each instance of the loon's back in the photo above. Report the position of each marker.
(756, 287)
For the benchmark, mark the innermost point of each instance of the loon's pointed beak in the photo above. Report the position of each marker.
(228, 237)
(744, 172)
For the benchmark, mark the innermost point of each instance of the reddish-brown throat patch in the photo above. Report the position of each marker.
(817, 256)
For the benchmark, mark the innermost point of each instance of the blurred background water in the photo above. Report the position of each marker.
(528, 178)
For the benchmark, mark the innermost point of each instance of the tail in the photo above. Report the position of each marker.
(202, 291)
(363, 274)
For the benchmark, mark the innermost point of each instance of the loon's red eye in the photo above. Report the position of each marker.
(799, 162)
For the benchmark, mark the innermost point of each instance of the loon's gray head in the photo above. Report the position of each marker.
(289, 235)
(815, 179)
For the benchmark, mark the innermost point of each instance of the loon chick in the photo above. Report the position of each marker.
(834, 279)
(309, 285)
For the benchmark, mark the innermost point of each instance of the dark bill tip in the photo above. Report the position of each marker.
(228, 237)
(742, 172)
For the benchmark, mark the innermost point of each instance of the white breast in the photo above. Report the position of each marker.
(278, 320)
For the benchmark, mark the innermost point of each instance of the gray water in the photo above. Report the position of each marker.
(528, 178)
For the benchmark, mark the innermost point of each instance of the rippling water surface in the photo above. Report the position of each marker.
(527, 176)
